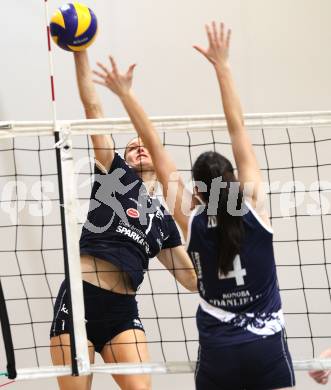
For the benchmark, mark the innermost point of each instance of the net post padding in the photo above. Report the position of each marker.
(71, 237)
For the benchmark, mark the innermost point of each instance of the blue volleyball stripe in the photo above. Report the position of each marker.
(71, 22)
(58, 31)
(90, 32)
(55, 29)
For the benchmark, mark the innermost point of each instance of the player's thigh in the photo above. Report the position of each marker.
(204, 381)
(218, 368)
(267, 364)
(129, 346)
(61, 355)
(286, 388)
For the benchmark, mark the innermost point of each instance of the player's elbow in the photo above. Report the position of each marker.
(92, 110)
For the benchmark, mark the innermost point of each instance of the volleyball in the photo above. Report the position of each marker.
(73, 27)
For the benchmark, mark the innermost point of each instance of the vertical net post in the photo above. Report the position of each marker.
(78, 337)
(5, 326)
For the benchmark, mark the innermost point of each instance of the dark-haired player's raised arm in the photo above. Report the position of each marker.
(102, 144)
(249, 173)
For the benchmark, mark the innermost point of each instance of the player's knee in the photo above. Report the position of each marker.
(144, 385)
(138, 387)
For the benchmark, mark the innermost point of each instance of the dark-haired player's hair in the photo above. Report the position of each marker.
(208, 166)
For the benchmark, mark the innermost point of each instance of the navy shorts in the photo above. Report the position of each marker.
(264, 364)
(107, 314)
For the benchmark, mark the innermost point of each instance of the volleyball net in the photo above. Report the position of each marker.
(39, 238)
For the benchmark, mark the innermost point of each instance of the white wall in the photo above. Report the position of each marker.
(280, 56)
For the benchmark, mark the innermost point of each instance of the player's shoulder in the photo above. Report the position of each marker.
(117, 163)
(199, 217)
(199, 213)
(253, 218)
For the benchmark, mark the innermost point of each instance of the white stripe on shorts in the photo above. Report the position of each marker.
(285, 356)
(60, 306)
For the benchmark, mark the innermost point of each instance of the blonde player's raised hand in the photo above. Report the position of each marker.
(219, 44)
(117, 82)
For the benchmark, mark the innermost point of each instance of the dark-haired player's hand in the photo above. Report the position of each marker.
(219, 43)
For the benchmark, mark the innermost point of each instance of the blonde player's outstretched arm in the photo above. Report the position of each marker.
(102, 144)
(173, 188)
(249, 173)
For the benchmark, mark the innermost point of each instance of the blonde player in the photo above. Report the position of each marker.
(126, 226)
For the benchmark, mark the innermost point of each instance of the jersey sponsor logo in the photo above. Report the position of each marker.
(195, 256)
(134, 228)
(128, 232)
(159, 213)
(212, 222)
(64, 309)
(134, 236)
(133, 213)
(233, 299)
(137, 324)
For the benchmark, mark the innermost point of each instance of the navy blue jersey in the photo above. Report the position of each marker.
(246, 302)
(125, 225)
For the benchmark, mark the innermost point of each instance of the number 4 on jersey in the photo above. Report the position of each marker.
(238, 273)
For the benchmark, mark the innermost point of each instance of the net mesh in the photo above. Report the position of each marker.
(295, 162)
(31, 246)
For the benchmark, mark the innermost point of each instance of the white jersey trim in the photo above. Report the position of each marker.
(258, 218)
(189, 226)
(101, 166)
(198, 207)
(220, 314)
(272, 325)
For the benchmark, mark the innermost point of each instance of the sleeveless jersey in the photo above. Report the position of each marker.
(125, 225)
(245, 304)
